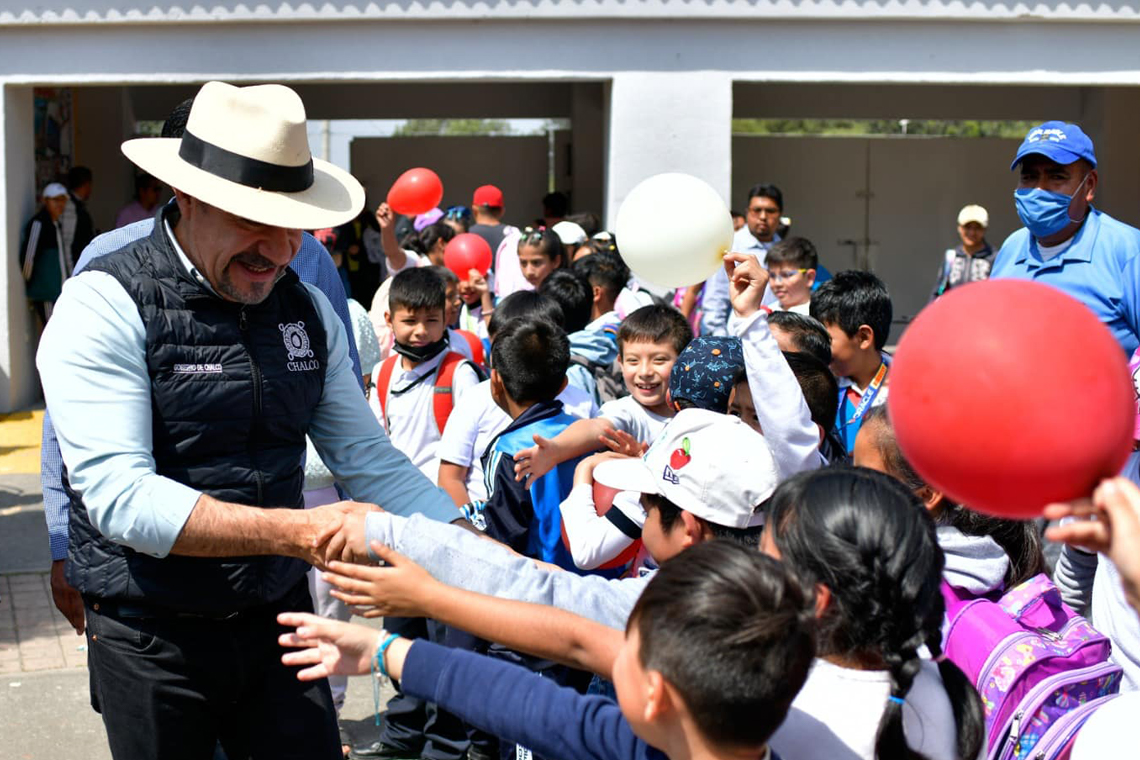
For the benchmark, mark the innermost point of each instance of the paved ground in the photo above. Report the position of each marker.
(45, 712)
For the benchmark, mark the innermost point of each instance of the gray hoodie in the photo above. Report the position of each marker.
(976, 564)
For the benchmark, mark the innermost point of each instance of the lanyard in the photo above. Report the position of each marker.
(865, 402)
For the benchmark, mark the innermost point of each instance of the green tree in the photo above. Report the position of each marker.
(452, 127)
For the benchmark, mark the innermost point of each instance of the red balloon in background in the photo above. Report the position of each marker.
(1008, 395)
(415, 192)
(465, 252)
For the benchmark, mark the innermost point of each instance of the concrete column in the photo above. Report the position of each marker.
(668, 122)
(18, 386)
(103, 120)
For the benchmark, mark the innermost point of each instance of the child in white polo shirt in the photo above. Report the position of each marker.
(415, 388)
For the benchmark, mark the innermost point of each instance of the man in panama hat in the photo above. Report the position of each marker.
(183, 373)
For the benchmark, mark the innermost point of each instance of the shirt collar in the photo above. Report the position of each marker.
(190, 268)
(1080, 250)
(743, 240)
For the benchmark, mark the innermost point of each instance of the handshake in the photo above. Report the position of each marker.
(333, 532)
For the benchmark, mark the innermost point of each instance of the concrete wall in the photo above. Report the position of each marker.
(103, 120)
(18, 386)
(516, 165)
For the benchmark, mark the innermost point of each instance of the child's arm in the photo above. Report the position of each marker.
(594, 539)
(780, 406)
(386, 218)
(578, 439)
(453, 479)
(552, 721)
(403, 588)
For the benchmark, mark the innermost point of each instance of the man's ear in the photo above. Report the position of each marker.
(1090, 186)
(866, 337)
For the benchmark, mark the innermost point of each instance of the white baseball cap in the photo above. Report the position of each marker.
(973, 213)
(706, 463)
(570, 233)
(53, 190)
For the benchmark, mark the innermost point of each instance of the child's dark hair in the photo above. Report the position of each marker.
(731, 630)
(524, 303)
(423, 241)
(445, 275)
(1019, 539)
(669, 514)
(655, 324)
(588, 221)
(417, 288)
(853, 298)
(604, 270)
(573, 294)
(531, 356)
(545, 239)
(867, 539)
(808, 335)
(797, 251)
(821, 391)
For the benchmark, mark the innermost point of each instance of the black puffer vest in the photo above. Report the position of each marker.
(233, 389)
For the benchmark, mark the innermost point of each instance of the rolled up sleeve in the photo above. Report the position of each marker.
(92, 363)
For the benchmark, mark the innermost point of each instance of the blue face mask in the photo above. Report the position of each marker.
(1044, 212)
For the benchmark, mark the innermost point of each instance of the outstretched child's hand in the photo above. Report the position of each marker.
(400, 589)
(747, 281)
(385, 217)
(621, 442)
(478, 282)
(329, 647)
(536, 461)
(1110, 525)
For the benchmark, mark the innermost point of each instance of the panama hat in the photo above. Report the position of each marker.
(246, 151)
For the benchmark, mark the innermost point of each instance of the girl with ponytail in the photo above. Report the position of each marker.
(880, 688)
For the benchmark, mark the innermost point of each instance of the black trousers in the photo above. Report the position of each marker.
(175, 687)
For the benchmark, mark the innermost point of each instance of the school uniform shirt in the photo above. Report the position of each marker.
(836, 715)
(1100, 268)
(477, 419)
(410, 419)
(627, 415)
(800, 308)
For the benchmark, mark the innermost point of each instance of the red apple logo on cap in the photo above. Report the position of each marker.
(681, 456)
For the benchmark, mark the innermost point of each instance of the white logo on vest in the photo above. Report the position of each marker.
(297, 346)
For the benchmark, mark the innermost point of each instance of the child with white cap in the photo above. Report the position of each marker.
(972, 259)
(44, 261)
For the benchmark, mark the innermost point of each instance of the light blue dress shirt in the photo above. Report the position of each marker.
(92, 365)
(1100, 268)
(715, 302)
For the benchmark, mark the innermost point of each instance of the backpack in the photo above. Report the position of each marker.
(1040, 668)
(607, 378)
(476, 346)
(443, 401)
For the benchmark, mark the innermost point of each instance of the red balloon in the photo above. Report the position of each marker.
(415, 192)
(1008, 395)
(603, 501)
(466, 252)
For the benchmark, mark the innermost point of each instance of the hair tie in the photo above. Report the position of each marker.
(896, 700)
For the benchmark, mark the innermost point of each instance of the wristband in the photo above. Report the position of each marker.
(379, 670)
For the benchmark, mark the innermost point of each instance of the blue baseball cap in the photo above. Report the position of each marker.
(705, 372)
(1057, 141)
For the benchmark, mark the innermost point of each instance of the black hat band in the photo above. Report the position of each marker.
(245, 170)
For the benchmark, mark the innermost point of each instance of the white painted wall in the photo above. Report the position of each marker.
(18, 387)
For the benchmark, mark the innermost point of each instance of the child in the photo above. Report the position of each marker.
(478, 305)
(478, 419)
(868, 548)
(407, 386)
(607, 275)
(540, 253)
(714, 652)
(592, 351)
(855, 308)
(799, 332)
(792, 264)
(458, 339)
(528, 369)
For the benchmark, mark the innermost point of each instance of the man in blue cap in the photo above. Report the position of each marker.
(1066, 242)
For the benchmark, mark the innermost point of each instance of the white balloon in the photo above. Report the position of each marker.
(673, 230)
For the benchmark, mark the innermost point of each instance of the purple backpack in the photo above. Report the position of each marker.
(1040, 668)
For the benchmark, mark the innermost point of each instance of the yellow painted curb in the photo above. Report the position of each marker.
(20, 435)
